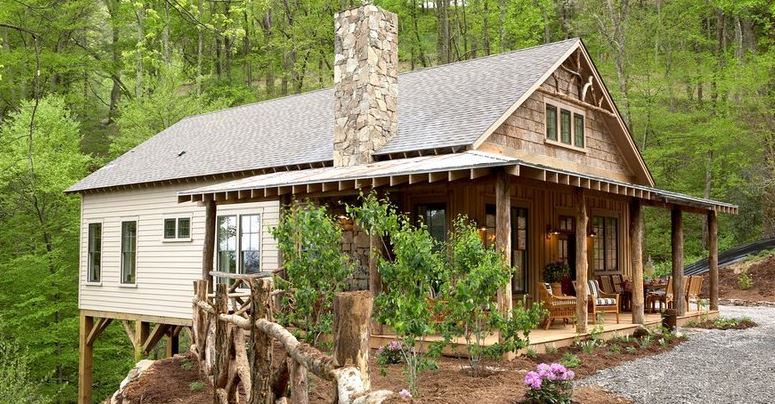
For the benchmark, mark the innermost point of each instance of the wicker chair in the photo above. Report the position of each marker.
(599, 301)
(695, 288)
(557, 307)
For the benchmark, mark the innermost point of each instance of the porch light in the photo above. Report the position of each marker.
(551, 232)
(593, 234)
(344, 221)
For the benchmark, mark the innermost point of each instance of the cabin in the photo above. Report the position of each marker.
(529, 144)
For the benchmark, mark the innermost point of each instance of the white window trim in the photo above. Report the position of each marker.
(238, 259)
(121, 221)
(102, 253)
(574, 110)
(177, 218)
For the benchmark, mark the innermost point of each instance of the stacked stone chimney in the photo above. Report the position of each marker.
(365, 82)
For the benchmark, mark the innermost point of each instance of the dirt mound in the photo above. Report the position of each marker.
(174, 380)
(762, 273)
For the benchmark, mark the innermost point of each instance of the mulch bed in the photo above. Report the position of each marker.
(737, 324)
(762, 272)
(169, 381)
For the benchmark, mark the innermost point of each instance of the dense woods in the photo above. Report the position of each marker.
(82, 81)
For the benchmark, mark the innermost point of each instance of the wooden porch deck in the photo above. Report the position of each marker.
(559, 336)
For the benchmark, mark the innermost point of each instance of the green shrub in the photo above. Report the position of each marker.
(744, 281)
(311, 244)
(550, 348)
(615, 349)
(570, 360)
(531, 353)
(16, 383)
(630, 349)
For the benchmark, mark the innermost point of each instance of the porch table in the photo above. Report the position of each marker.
(654, 288)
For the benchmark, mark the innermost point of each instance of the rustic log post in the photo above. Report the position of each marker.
(261, 343)
(220, 372)
(679, 294)
(208, 246)
(200, 320)
(581, 260)
(352, 316)
(85, 362)
(636, 253)
(375, 280)
(299, 388)
(713, 257)
(503, 234)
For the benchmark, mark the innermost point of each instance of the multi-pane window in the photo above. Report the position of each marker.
(95, 252)
(128, 252)
(177, 228)
(566, 229)
(551, 122)
(435, 217)
(607, 243)
(239, 244)
(565, 125)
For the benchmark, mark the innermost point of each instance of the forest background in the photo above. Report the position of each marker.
(82, 81)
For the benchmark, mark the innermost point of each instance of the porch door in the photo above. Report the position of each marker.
(519, 242)
(566, 246)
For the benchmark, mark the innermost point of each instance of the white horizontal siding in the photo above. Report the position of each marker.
(165, 270)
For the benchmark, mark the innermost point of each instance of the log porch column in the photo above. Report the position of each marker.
(713, 257)
(679, 297)
(208, 248)
(581, 260)
(503, 233)
(636, 252)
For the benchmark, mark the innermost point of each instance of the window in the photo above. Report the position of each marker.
(607, 243)
(95, 249)
(435, 217)
(177, 228)
(518, 244)
(247, 246)
(578, 130)
(567, 128)
(250, 238)
(128, 252)
(567, 231)
(551, 122)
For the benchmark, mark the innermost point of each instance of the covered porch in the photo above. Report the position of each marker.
(534, 214)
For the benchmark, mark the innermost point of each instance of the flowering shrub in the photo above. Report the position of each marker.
(549, 384)
(405, 394)
(390, 353)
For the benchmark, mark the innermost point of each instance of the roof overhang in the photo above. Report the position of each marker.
(430, 169)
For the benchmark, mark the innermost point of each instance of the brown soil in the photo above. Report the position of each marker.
(168, 382)
(761, 271)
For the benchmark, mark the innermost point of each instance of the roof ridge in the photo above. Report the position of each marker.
(423, 69)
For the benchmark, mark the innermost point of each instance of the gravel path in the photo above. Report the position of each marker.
(713, 366)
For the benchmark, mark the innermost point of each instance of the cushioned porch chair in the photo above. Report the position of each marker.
(557, 307)
(599, 301)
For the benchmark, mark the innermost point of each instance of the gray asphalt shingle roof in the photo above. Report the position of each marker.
(443, 106)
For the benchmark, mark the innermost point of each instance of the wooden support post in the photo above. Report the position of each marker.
(222, 341)
(503, 233)
(208, 246)
(153, 338)
(375, 280)
(173, 341)
(142, 329)
(261, 343)
(636, 253)
(679, 295)
(199, 322)
(581, 260)
(299, 387)
(85, 360)
(352, 315)
(713, 257)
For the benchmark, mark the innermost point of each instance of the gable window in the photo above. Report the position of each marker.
(606, 244)
(94, 270)
(128, 252)
(435, 217)
(239, 244)
(177, 229)
(564, 125)
(551, 122)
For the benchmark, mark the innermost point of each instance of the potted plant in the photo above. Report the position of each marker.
(554, 273)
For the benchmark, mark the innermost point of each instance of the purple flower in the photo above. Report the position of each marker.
(557, 368)
(405, 394)
(569, 375)
(533, 380)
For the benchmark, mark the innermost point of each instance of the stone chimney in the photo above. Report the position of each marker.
(365, 82)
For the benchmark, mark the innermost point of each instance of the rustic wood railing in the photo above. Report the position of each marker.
(233, 334)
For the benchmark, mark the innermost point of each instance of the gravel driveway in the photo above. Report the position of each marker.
(713, 366)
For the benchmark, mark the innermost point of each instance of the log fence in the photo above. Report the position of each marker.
(234, 334)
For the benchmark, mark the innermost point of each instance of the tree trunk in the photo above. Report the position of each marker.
(579, 201)
(678, 266)
(352, 317)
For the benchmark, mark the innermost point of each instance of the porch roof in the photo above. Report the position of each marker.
(428, 169)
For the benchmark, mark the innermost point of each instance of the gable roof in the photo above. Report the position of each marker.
(440, 107)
